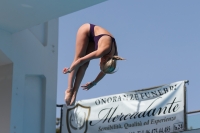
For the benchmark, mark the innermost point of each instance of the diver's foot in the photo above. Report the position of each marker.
(68, 96)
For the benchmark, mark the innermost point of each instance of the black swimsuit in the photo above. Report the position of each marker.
(95, 39)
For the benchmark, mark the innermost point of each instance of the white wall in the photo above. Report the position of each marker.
(34, 55)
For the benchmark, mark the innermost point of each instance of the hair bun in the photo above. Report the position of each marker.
(117, 58)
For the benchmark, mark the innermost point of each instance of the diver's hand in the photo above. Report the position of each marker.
(66, 70)
(88, 86)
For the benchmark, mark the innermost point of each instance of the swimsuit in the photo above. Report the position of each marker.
(95, 39)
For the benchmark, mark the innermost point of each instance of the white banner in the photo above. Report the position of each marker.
(153, 110)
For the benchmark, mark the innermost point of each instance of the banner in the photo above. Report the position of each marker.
(154, 110)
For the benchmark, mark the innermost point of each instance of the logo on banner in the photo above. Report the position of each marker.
(77, 119)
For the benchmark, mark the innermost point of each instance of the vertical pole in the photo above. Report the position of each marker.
(185, 105)
(61, 114)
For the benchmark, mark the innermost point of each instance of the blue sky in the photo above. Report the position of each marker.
(160, 40)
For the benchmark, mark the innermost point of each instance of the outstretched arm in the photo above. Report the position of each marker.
(93, 83)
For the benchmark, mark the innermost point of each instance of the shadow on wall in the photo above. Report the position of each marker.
(6, 74)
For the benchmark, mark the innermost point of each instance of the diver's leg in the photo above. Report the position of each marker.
(80, 74)
(81, 48)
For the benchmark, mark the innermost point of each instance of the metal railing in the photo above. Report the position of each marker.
(193, 120)
(192, 112)
(61, 112)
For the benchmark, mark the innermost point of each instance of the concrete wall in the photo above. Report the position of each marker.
(34, 54)
(6, 68)
(5, 97)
